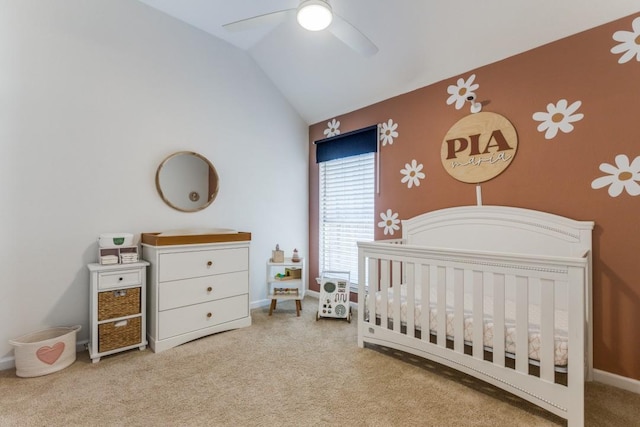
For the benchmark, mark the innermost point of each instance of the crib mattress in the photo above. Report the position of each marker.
(561, 322)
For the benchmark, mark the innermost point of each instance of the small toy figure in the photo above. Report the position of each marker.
(295, 257)
(277, 255)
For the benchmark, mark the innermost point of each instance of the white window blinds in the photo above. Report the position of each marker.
(347, 188)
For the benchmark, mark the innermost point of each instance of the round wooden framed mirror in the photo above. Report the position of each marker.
(187, 181)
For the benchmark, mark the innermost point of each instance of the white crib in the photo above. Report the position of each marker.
(469, 286)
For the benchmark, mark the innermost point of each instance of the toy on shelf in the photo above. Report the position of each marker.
(277, 255)
(289, 274)
(285, 291)
(295, 257)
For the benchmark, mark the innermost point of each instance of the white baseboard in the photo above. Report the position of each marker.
(618, 381)
(259, 304)
(265, 302)
(82, 346)
(7, 363)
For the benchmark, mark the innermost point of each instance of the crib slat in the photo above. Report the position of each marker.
(419, 280)
(478, 315)
(372, 266)
(499, 282)
(522, 325)
(384, 293)
(409, 271)
(547, 330)
(397, 298)
(443, 278)
(460, 279)
(430, 280)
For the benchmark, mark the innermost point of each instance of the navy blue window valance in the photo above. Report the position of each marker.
(348, 144)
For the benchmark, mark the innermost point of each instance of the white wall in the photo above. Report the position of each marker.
(93, 96)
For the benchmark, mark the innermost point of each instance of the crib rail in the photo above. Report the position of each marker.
(456, 285)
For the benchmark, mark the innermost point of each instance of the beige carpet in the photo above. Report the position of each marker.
(282, 371)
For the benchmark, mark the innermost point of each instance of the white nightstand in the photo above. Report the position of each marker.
(117, 308)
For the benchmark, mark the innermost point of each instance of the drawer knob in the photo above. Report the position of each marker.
(209, 289)
(209, 315)
(120, 279)
(209, 263)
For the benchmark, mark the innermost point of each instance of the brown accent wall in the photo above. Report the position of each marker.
(552, 175)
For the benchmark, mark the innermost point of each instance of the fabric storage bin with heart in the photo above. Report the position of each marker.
(45, 352)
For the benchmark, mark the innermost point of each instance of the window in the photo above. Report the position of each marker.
(347, 188)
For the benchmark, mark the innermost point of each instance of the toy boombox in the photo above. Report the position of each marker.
(334, 295)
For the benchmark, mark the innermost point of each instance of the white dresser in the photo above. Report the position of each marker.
(195, 289)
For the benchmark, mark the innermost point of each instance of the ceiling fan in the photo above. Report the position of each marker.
(313, 15)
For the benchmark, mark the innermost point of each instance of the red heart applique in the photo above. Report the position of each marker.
(49, 355)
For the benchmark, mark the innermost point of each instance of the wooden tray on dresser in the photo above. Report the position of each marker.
(157, 239)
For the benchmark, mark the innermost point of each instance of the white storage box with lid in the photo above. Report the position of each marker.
(114, 240)
(45, 352)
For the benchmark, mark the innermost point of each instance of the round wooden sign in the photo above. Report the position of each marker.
(479, 147)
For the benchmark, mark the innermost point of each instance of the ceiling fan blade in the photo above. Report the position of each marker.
(272, 18)
(351, 36)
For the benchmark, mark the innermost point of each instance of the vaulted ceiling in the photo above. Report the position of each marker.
(420, 42)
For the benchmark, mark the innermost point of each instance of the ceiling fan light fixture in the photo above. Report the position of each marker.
(314, 15)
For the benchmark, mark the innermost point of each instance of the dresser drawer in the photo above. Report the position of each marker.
(191, 318)
(119, 279)
(186, 265)
(179, 293)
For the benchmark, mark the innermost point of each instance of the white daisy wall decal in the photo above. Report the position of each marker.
(622, 176)
(459, 91)
(389, 221)
(629, 43)
(412, 174)
(558, 117)
(388, 132)
(333, 128)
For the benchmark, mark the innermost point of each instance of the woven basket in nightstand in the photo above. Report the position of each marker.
(120, 333)
(118, 303)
